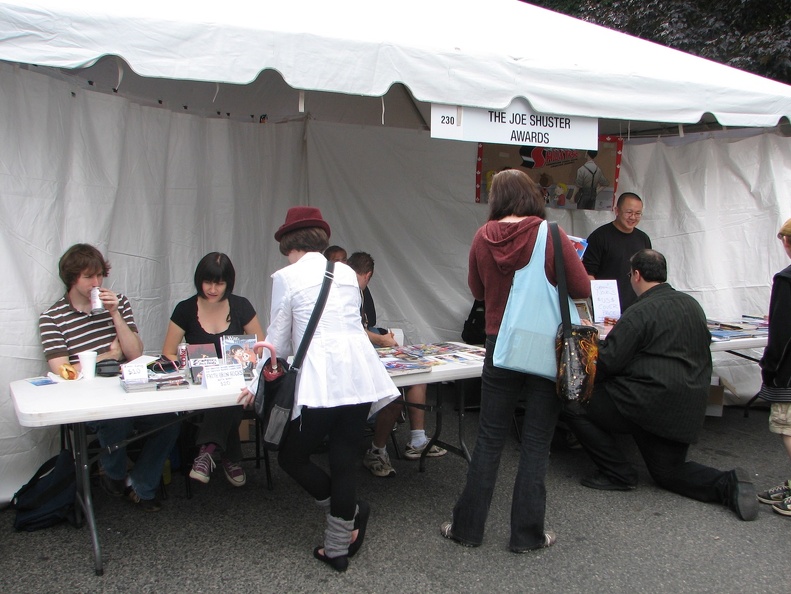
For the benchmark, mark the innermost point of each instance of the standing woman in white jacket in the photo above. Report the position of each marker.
(339, 379)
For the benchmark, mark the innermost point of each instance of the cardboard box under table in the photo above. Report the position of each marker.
(716, 398)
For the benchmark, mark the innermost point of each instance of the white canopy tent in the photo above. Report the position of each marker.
(468, 52)
(156, 185)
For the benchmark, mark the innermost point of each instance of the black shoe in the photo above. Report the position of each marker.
(598, 480)
(337, 563)
(549, 539)
(446, 530)
(740, 495)
(323, 447)
(572, 442)
(114, 487)
(360, 523)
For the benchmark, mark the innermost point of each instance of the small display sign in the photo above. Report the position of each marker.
(223, 376)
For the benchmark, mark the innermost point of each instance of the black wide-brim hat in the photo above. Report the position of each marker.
(301, 217)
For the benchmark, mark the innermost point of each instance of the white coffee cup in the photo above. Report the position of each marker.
(88, 364)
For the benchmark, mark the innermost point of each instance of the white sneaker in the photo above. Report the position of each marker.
(378, 464)
(413, 453)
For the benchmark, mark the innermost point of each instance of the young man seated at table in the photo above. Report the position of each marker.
(376, 458)
(70, 327)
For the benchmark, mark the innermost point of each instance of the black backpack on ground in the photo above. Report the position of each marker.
(48, 498)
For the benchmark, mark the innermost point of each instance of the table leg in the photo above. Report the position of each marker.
(84, 497)
(743, 356)
(461, 449)
(461, 390)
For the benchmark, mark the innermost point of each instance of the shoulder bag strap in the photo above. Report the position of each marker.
(314, 317)
(593, 175)
(560, 274)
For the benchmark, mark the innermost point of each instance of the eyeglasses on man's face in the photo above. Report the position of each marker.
(632, 214)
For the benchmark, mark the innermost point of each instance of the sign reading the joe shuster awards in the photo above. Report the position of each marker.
(517, 124)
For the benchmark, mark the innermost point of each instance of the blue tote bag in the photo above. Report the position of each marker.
(526, 340)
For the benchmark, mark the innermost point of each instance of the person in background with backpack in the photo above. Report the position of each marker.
(339, 379)
(589, 179)
(72, 325)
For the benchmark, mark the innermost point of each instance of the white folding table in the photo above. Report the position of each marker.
(81, 401)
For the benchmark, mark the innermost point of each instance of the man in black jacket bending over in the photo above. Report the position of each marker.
(653, 380)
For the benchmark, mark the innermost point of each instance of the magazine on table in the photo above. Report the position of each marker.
(173, 383)
(237, 349)
(434, 349)
(747, 328)
(396, 366)
(421, 358)
(465, 358)
(717, 335)
(580, 245)
(198, 357)
(475, 350)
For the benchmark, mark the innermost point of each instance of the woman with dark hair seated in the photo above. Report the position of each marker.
(213, 312)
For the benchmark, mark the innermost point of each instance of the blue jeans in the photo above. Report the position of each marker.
(147, 471)
(501, 389)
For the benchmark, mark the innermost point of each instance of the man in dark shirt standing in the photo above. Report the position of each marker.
(611, 245)
(655, 370)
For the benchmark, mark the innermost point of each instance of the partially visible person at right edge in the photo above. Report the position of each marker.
(340, 377)
(776, 371)
(500, 248)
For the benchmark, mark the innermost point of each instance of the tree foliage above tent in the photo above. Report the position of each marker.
(752, 35)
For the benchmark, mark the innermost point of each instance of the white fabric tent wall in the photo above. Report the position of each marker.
(713, 206)
(409, 201)
(156, 190)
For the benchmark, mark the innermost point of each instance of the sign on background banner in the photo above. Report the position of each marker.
(555, 170)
